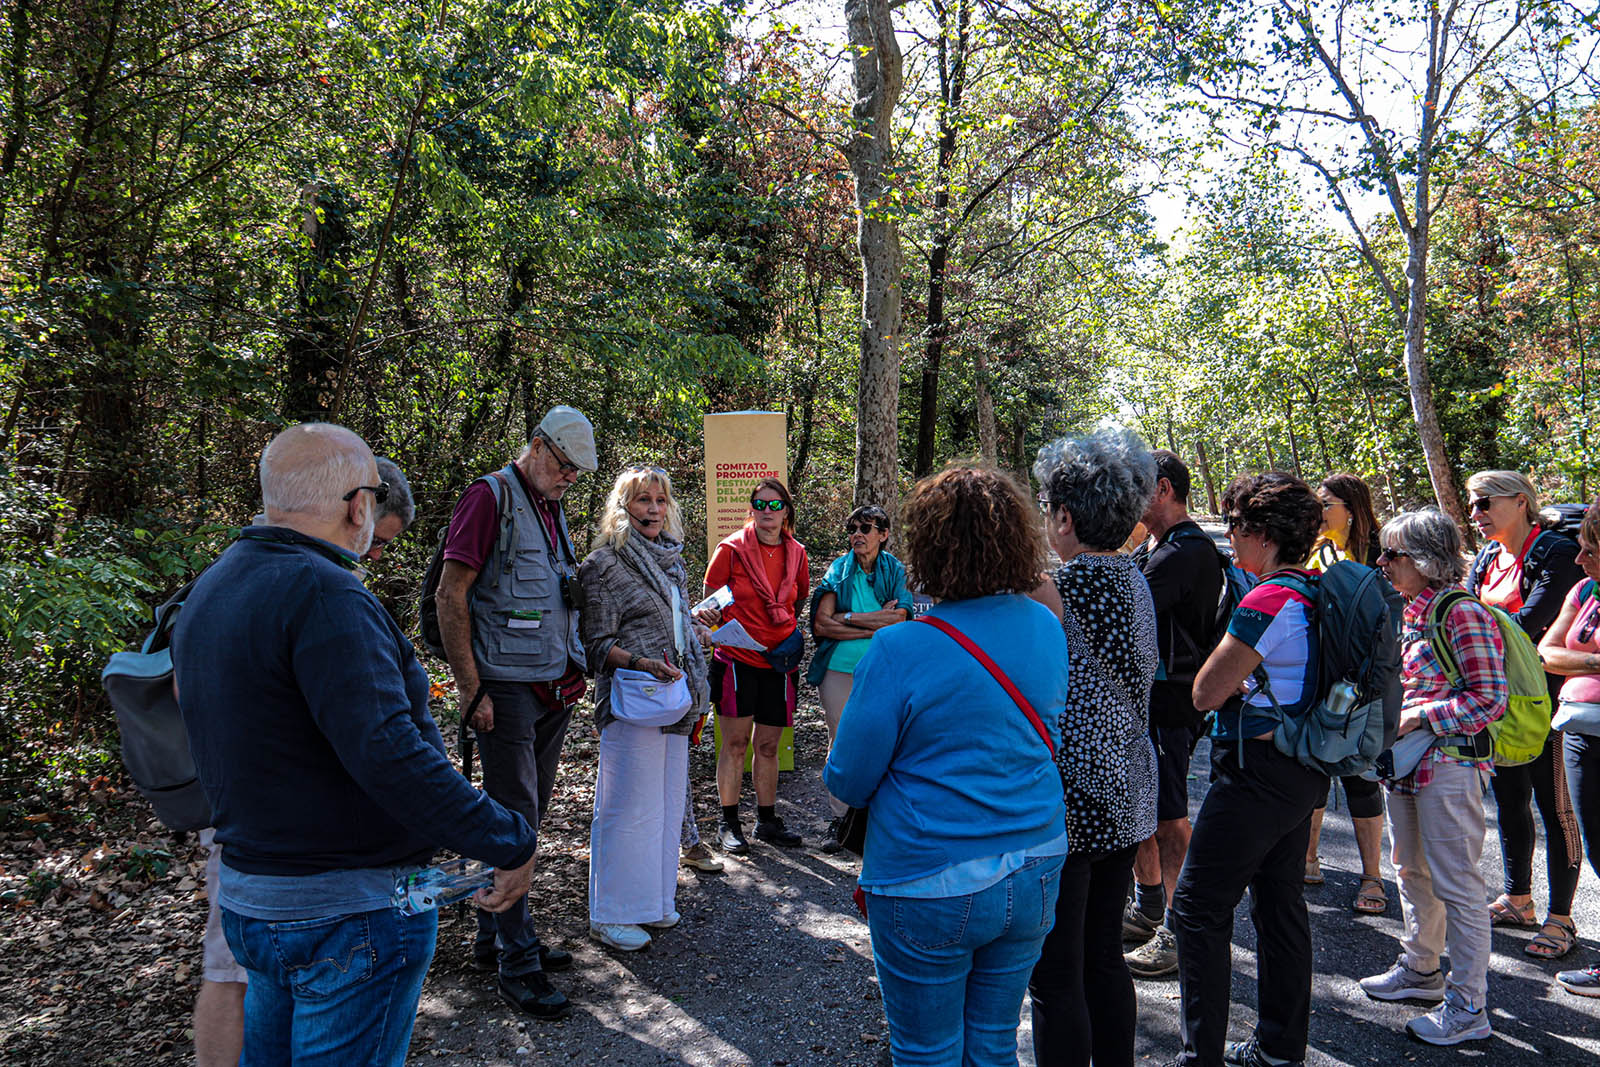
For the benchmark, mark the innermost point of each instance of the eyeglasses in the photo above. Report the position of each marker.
(1482, 503)
(1045, 506)
(863, 527)
(643, 468)
(767, 505)
(563, 464)
(380, 492)
(1235, 522)
(1392, 553)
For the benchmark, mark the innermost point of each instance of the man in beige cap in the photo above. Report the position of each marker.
(508, 617)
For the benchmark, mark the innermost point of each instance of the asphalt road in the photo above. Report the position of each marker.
(1535, 1020)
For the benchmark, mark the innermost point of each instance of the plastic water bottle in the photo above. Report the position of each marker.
(444, 883)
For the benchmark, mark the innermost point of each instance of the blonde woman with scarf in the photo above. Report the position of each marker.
(637, 620)
(770, 577)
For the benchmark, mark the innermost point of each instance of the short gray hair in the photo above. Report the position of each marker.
(1432, 541)
(308, 468)
(1105, 480)
(399, 502)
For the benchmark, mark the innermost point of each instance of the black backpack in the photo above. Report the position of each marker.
(155, 746)
(1355, 712)
(1563, 519)
(428, 608)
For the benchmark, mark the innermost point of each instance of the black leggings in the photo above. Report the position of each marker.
(1364, 796)
(1545, 780)
(1083, 1002)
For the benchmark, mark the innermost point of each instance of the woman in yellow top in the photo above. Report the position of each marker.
(1350, 532)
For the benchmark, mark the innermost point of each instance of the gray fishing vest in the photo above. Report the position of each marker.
(522, 630)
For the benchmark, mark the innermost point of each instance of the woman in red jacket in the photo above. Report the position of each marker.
(770, 577)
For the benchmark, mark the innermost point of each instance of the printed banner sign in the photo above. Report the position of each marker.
(742, 447)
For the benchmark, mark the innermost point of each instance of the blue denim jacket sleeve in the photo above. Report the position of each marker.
(347, 660)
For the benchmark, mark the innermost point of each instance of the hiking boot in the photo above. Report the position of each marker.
(665, 924)
(732, 840)
(1585, 983)
(1137, 927)
(773, 832)
(831, 842)
(487, 958)
(625, 937)
(701, 858)
(1157, 957)
(1451, 1023)
(1402, 983)
(533, 993)
(1249, 1054)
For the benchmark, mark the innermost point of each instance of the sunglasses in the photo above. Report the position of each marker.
(1235, 522)
(1392, 553)
(380, 492)
(767, 505)
(863, 527)
(1044, 505)
(1483, 502)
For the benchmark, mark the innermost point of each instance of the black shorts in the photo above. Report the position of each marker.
(741, 690)
(1364, 796)
(1174, 749)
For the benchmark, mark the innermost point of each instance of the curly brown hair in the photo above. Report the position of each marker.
(971, 532)
(1279, 507)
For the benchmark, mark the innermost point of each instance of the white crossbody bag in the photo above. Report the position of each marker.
(639, 698)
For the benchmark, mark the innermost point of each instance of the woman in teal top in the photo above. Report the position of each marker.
(863, 591)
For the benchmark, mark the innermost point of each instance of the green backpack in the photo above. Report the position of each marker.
(1519, 735)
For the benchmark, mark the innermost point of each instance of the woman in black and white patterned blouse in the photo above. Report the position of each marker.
(1093, 490)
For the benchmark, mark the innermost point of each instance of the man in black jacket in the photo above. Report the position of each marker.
(307, 714)
(1184, 570)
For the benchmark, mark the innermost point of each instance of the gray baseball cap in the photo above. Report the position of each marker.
(573, 434)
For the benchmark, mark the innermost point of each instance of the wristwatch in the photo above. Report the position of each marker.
(633, 662)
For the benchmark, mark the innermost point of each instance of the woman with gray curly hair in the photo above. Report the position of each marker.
(1436, 811)
(1093, 489)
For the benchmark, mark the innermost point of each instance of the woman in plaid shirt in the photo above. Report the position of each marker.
(1436, 812)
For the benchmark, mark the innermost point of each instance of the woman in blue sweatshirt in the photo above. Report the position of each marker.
(966, 834)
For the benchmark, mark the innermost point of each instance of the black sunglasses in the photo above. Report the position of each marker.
(863, 527)
(1392, 553)
(767, 505)
(380, 492)
(1483, 502)
(1235, 522)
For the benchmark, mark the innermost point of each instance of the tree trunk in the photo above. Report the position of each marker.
(877, 77)
(1294, 442)
(988, 434)
(1205, 474)
(1421, 383)
(952, 84)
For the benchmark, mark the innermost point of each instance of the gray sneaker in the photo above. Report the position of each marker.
(1157, 957)
(1451, 1023)
(1136, 925)
(1402, 983)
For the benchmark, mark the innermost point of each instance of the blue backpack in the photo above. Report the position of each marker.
(1355, 713)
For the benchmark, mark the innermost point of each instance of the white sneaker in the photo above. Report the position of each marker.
(1400, 982)
(664, 924)
(1451, 1023)
(624, 936)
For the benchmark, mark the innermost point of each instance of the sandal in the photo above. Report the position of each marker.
(1504, 913)
(1370, 898)
(1313, 871)
(1555, 939)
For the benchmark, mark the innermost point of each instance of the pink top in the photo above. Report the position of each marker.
(1583, 687)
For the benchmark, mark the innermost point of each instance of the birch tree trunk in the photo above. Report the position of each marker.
(877, 78)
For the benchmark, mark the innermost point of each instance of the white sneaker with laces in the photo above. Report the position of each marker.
(1451, 1023)
(624, 936)
(1400, 982)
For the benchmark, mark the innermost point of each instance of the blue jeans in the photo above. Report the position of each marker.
(337, 991)
(952, 970)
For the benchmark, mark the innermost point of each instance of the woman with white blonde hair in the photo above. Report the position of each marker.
(650, 686)
(1528, 571)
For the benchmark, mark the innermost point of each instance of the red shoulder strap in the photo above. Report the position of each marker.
(999, 675)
